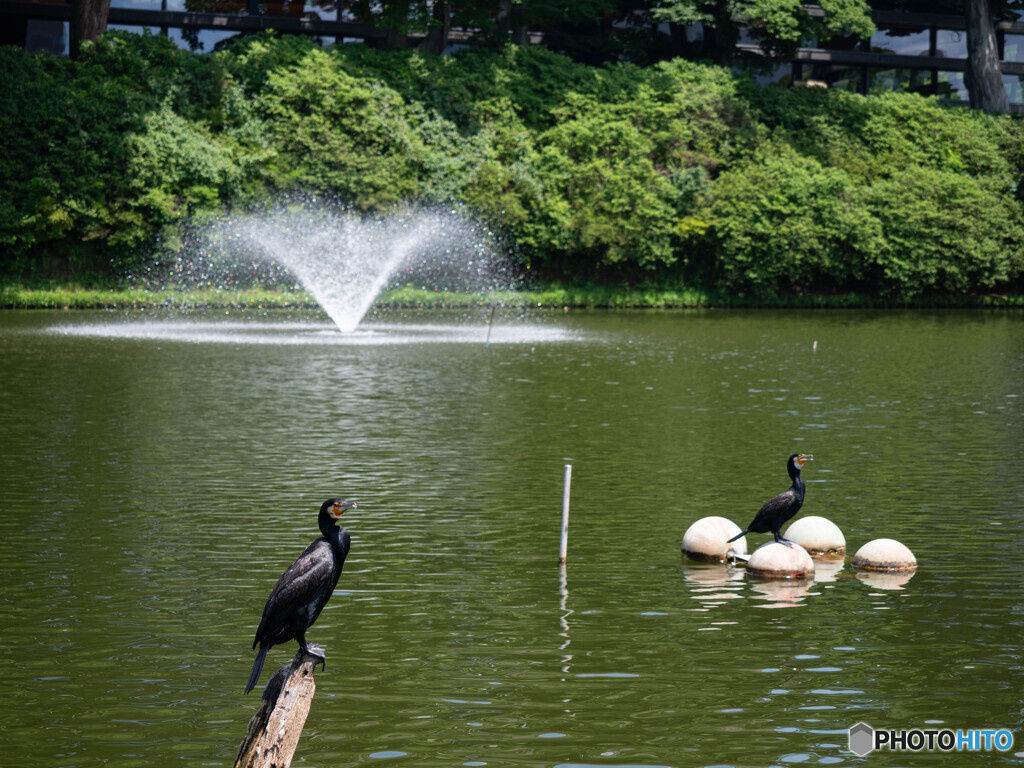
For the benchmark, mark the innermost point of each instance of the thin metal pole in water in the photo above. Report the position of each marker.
(563, 548)
(489, 327)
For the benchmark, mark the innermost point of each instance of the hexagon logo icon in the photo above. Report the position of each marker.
(862, 739)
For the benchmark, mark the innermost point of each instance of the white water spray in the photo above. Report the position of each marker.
(345, 260)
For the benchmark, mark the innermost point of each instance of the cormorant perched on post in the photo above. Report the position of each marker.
(778, 509)
(304, 589)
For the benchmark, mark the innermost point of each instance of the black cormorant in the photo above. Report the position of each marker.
(778, 509)
(304, 589)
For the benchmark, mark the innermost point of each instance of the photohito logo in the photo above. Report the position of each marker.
(863, 739)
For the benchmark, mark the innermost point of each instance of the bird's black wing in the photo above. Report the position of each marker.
(297, 587)
(778, 508)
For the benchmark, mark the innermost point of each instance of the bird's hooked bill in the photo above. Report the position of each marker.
(803, 458)
(341, 507)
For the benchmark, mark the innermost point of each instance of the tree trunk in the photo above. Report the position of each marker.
(984, 79)
(723, 35)
(88, 21)
(502, 19)
(518, 34)
(680, 42)
(274, 730)
(437, 37)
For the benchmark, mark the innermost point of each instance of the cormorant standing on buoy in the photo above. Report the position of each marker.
(304, 589)
(778, 509)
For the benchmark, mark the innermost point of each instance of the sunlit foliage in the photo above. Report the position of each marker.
(671, 172)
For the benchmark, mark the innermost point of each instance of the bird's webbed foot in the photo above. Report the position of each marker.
(317, 652)
(786, 542)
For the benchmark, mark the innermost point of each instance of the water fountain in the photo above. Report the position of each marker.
(344, 259)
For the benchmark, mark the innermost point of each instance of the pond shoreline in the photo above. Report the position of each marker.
(557, 297)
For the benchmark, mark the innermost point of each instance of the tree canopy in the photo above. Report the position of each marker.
(676, 171)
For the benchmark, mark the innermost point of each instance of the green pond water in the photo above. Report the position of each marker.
(159, 472)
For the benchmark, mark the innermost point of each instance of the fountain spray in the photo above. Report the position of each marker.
(344, 259)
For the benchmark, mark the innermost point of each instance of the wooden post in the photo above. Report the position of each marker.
(275, 729)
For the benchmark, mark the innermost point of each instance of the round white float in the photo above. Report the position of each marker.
(777, 561)
(707, 539)
(884, 555)
(818, 535)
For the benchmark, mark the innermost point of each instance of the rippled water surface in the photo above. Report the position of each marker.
(160, 471)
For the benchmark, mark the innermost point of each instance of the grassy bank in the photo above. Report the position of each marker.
(555, 296)
(77, 297)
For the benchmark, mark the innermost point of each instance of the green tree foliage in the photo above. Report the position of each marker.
(617, 169)
(943, 232)
(895, 193)
(782, 221)
(780, 25)
(675, 171)
(333, 132)
(102, 153)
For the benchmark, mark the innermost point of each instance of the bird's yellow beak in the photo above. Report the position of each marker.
(803, 458)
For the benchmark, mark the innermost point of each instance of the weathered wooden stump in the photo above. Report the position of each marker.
(275, 729)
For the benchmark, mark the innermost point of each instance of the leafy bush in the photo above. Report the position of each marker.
(783, 221)
(333, 132)
(675, 171)
(896, 193)
(74, 130)
(943, 232)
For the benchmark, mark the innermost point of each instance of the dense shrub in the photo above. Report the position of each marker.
(668, 172)
(86, 172)
(943, 231)
(786, 222)
(783, 221)
(333, 132)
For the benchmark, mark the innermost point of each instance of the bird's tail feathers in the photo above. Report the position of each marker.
(257, 668)
(737, 536)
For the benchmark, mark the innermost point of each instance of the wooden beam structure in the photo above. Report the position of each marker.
(886, 60)
(246, 21)
(193, 20)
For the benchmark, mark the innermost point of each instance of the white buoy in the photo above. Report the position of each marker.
(777, 561)
(818, 535)
(708, 539)
(884, 555)
(563, 547)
